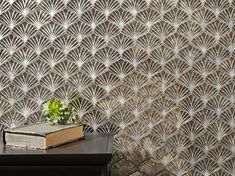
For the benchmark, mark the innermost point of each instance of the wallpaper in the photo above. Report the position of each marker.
(160, 74)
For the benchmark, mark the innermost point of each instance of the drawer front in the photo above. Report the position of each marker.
(51, 170)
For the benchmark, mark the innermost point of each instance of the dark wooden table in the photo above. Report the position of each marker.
(88, 157)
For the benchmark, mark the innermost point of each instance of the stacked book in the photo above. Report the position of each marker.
(42, 135)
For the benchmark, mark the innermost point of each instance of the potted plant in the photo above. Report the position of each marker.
(56, 112)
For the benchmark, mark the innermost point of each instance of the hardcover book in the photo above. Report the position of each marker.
(42, 135)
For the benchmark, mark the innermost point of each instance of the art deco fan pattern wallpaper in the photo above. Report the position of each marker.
(158, 73)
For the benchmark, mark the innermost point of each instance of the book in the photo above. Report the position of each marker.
(42, 135)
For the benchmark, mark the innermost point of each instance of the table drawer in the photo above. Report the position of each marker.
(51, 170)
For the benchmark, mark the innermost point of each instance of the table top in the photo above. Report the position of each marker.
(96, 147)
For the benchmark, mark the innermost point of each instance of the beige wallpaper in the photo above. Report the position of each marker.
(160, 74)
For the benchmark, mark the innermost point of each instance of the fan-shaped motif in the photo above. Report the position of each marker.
(162, 30)
(94, 120)
(176, 43)
(25, 108)
(135, 81)
(80, 82)
(38, 69)
(149, 93)
(79, 56)
(189, 6)
(176, 18)
(220, 155)
(176, 68)
(24, 57)
(190, 30)
(206, 167)
(11, 44)
(229, 68)
(165, 131)
(148, 43)
(52, 82)
(94, 94)
(65, 44)
(229, 117)
(205, 118)
(190, 55)
(93, 69)
(206, 143)
(151, 118)
(39, 95)
(79, 6)
(108, 82)
(122, 119)
(134, 30)
(11, 19)
(106, 6)
(93, 44)
(137, 132)
(24, 31)
(148, 18)
(162, 7)
(219, 130)
(25, 82)
(66, 94)
(65, 19)
(108, 107)
(52, 7)
(217, 7)
(107, 56)
(192, 155)
(149, 69)
(122, 94)
(120, 18)
(11, 95)
(11, 70)
(38, 44)
(121, 69)
(203, 17)
(227, 17)
(52, 57)
(66, 70)
(12, 120)
(164, 106)
(79, 31)
(219, 105)
(179, 167)
(136, 106)
(134, 6)
(121, 43)
(81, 106)
(177, 93)
(38, 18)
(135, 56)
(204, 68)
(25, 6)
(93, 18)
(52, 31)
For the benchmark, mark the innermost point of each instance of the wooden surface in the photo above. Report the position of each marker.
(89, 157)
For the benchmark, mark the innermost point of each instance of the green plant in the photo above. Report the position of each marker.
(56, 112)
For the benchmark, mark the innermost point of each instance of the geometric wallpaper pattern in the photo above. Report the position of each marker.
(160, 74)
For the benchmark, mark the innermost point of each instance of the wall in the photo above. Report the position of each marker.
(158, 73)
